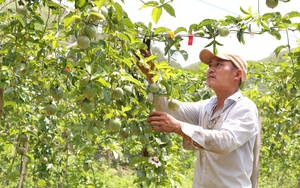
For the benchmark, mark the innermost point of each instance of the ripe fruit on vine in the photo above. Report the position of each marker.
(22, 10)
(50, 109)
(114, 124)
(223, 31)
(173, 104)
(23, 138)
(117, 93)
(83, 42)
(90, 31)
(271, 3)
(154, 88)
(20, 150)
(89, 91)
(86, 106)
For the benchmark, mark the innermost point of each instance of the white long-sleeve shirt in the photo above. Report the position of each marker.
(226, 157)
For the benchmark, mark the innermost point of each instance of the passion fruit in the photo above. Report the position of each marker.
(117, 93)
(23, 138)
(114, 124)
(83, 42)
(86, 107)
(223, 31)
(272, 3)
(90, 31)
(154, 88)
(20, 150)
(173, 104)
(50, 109)
(89, 91)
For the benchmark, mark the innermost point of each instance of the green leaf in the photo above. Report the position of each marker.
(160, 30)
(276, 34)
(124, 37)
(125, 109)
(69, 18)
(141, 179)
(244, 11)
(29, 157)
(293, 14)
(99, 3)
(156, 14)
(278, 50)
(119, 11)
(88, 68)
(240, 36)
(79, 3)
(169, 9)
(206, 22)
(136, 160)
(13, 175)
(104, 82)
(184, 54)
(128, 23)
(38, 19)
(18, 17)
(149, 4)
(127, 62)
(180, 29)
(11, 103)
(99, 15)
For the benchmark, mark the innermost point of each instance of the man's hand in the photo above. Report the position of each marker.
(161, 121)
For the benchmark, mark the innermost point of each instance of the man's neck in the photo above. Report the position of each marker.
(222, 96)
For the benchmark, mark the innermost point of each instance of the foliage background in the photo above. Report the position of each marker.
(76, 146)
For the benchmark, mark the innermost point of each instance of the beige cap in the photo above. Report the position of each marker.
(206, 56)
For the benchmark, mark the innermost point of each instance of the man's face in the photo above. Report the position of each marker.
(221, 74)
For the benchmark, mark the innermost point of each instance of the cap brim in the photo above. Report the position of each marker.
(205, 56)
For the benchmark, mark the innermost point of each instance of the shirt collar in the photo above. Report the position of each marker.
(231, 99)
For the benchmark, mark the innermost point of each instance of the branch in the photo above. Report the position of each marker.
(67, 163)
(24, 161)
(146, 53)
(1, 102)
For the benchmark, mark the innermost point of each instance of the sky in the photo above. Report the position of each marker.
(194, 11)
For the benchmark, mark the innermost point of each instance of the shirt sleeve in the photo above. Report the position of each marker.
(240, 126)
(187, 112)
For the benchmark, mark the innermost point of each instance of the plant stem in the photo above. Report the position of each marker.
(94, 177)
(24, 161)
(67, 164)
(1, 101)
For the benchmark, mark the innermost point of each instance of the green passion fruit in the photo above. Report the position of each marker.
(114, 125)
(173, 104)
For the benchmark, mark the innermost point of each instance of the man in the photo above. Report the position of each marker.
(223, 128)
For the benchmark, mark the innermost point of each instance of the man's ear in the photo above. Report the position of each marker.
(238, 75)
